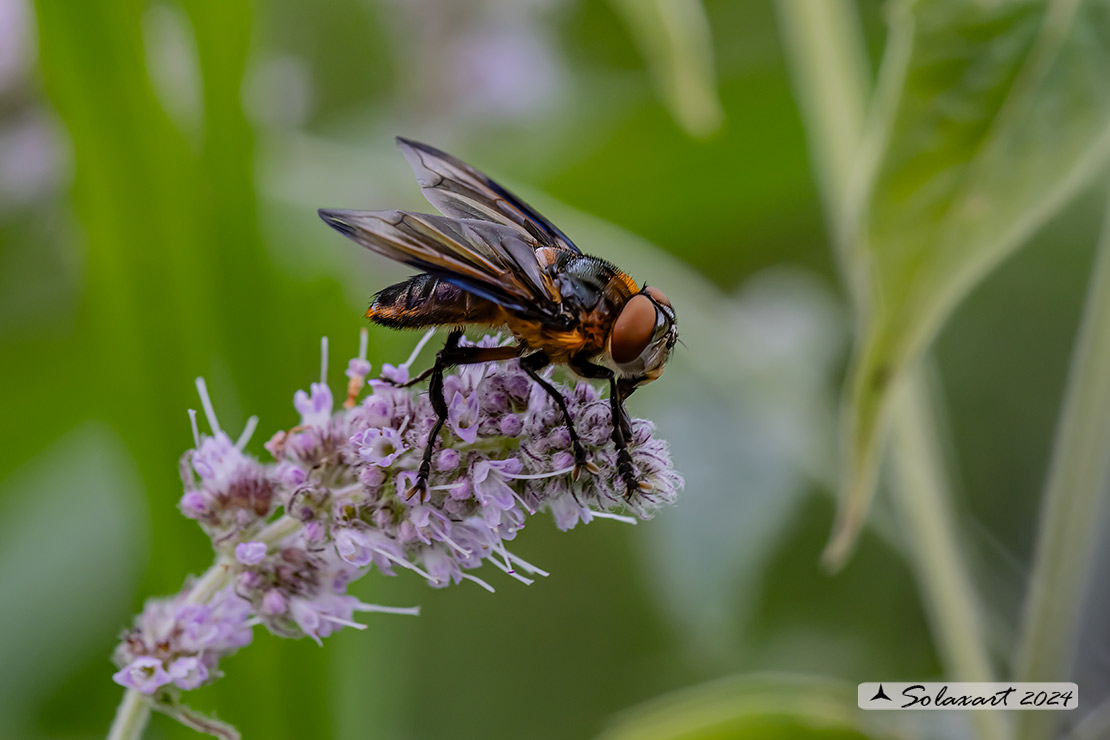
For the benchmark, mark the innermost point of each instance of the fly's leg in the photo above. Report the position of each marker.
(451, 354)
(413, 380)
(532, 364)
(622, 428)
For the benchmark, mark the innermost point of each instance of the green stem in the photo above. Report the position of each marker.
(278, 530)
(1072, 500)
(134, 710)
(214, 579)
(922, 503)
(131, 717)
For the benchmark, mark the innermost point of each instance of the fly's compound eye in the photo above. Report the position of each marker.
(633, 329)
(657, 296)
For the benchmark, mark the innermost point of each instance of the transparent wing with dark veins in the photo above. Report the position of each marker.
(491, 260)
(460, 191)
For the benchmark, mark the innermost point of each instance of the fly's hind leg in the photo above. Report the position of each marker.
(451, 354)
(622, 427)
(532, 364)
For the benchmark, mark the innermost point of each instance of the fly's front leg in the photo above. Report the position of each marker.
(622, 428)
(532, 364)
(451, 354)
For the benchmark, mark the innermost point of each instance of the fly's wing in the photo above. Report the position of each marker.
(490, 260)
(460, 191)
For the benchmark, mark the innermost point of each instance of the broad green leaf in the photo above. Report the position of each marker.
(990, 116)
(763, 707)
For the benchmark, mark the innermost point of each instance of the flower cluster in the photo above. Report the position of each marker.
(179, 641)
(292, 534)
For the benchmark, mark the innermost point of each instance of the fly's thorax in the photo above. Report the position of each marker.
(591, 287)
(591, 293)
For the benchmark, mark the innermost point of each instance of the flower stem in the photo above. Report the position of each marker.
(208, 584)
(278, 530)
(1072, 500)
(131, 716)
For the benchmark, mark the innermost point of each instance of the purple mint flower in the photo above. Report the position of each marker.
(392, 375)
(385, 551)
(442, 568)
(143, 674)
(231, 615)
(568, 512)
(511, 425)
(195, 505)
(197, 628)
(489, 479)
(353, 547)
(463, 416)
(447, 459)
(495, 401)
(429, 523)
(517, 384)
(315, 409)
(307, 618)
(218, 460)
(188, 673)
(424, 524)
(559, 438)
(371, 477)
(250, 553)
(234, 490)
(460, 490)
(358, 368)
(291, 475)
(378, 409)
(562, 460)
(379, 446)
(593, 424)
(314, 532)
(273, 603)
(329, 612)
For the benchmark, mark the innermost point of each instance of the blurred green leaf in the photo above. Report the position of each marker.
(675, 39)
(990, 116)
(758, 707)
(72, 544)
(178, 285)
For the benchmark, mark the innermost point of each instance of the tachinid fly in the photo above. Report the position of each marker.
(492, 260)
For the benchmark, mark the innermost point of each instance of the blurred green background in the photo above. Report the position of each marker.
(160, 168)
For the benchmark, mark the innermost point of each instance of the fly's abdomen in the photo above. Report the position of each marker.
(424, 300)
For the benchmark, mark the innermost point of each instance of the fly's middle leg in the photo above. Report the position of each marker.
(451, 354)
(532, 364)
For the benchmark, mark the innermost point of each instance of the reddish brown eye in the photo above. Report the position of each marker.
(633, 329)
(657, 296)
